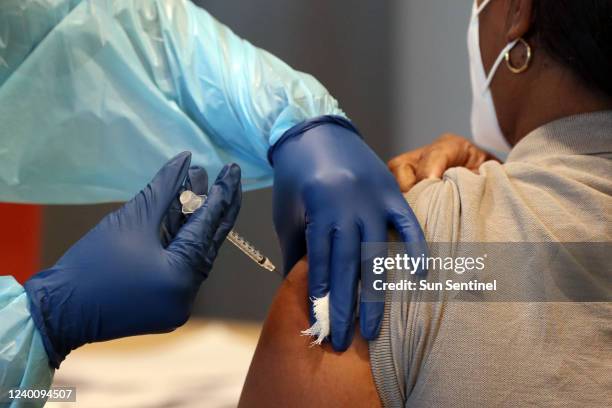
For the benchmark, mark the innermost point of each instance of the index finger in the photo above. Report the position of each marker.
(434, 163)
(411, 157)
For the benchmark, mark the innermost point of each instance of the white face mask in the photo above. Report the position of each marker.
(485, 126)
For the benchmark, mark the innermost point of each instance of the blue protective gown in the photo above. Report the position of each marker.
(96, 95)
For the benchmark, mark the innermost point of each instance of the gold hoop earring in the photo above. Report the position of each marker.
(523, 68)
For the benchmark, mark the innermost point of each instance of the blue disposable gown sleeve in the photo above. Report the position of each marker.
(23, 360)
(96, 95)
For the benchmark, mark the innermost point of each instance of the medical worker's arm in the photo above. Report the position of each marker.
(23, 360)
(97, 95)
(120, 280)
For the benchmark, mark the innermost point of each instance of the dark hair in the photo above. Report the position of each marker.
(578, 34)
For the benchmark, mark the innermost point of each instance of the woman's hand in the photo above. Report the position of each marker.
(431, 161)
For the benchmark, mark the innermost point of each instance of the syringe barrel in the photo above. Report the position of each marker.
(245, 247)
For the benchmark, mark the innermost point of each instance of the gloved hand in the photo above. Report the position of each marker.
(119, 280)
(331, 192)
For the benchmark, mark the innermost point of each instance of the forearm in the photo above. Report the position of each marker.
(23, 360)
(117, 88)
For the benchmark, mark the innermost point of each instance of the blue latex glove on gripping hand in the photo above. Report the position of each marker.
(329, 183)
(119, 280)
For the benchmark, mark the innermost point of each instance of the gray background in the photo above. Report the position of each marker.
(399, 70)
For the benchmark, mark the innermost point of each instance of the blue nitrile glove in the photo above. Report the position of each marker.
(196, 181)
(119, 280)
(331, 192)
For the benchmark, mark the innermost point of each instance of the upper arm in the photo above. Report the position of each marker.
(246, 95)
(287, 371)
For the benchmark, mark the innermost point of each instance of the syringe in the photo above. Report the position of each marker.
(191, 202)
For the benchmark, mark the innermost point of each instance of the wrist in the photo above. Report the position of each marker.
(302, 128)
(41, 310)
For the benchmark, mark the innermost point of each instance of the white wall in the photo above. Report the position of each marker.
(431, 71)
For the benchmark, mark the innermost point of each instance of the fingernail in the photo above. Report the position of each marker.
(181, 156)
(235, 169)
(223, 172)
(232, 168)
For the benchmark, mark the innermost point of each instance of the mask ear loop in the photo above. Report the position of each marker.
(498, 61)
(482, 6)
(523, 68)
(505, 52)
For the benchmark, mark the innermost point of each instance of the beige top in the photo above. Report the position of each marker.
(556, 186)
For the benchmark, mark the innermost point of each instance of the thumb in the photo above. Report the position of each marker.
(149, 206)
(165, 186)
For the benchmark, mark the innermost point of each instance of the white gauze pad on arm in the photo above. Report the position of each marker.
(320, 328)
